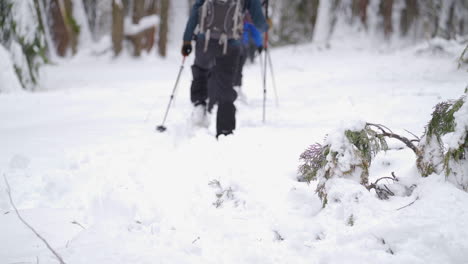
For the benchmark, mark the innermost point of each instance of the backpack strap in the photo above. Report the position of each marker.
(238, 25)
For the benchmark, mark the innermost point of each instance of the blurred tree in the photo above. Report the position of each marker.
(359, 9)
(117, 26)
(296, 21)
(408, 16)
(386, 11)
(163, 28)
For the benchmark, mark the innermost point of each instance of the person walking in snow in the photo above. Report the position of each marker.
(217, 51)
(252, 42)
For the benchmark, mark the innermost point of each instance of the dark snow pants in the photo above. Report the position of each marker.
(240, 65)
(213, 76)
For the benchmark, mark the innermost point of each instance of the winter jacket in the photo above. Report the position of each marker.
(251, 33)
(253, 6)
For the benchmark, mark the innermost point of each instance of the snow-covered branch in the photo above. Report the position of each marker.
(144, 24)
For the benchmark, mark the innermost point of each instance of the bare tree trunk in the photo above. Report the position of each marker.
(359, 8)
(117, 26)
(138, 13)
(409, 15)
(313, 15)
(72, 28)
(59, 29)
(333, 17)
(386, 11)
(163, 28)
(450, 27)
(151, 32)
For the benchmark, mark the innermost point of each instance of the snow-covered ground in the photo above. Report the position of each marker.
(89, 172)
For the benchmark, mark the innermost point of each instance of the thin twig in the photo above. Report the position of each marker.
(381, 127)
(406, 141)
(78, 224)
(417, 198)
(384, 178)
(196, 239)
(389, 191)
(378, 127)
(59, 258)
(416, 137)
(462, 56)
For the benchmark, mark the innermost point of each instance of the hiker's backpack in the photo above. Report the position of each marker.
(221, 19)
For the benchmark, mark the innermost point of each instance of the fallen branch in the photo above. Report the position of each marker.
(383, 193)
(390, 134)
(59, 258)
(417, 139)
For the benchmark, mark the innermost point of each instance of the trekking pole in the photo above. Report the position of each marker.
(161, 128)
(272, 77)
(265, 44)
(262, 72)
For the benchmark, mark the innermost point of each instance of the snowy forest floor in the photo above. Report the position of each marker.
(94, 178)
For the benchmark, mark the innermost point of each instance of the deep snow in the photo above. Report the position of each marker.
(82, 152)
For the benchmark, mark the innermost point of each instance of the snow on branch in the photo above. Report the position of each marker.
(349, 152)
(144, 24)
(8, 190)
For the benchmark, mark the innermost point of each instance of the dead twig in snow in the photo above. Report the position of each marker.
(78, 224)
(408, 205)
(59, 258)
(383, 193)
(194, 241)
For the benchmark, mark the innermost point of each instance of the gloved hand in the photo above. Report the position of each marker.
(187, 48)
(260, 49)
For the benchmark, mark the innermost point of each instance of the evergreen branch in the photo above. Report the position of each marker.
(8, 190)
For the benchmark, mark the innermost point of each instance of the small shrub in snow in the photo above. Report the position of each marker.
(349, 152)
(445, 143)
(224, 194)
(346, 154)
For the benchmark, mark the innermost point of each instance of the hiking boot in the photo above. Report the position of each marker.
(224, 134)
(200, 116)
